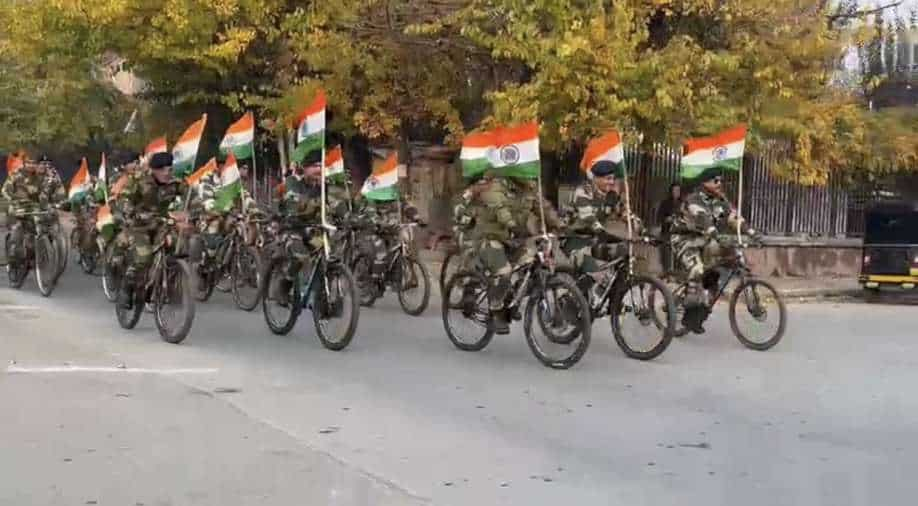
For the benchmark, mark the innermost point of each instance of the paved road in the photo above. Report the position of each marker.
(238, 416)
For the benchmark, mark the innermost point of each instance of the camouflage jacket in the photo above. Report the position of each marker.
(590, 211)
(386, 214)
(304, 199)
(29, 191)
(500, 208)
(143, 199)
(702, 213)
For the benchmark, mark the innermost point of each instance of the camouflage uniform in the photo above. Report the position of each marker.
(136, 208)
(384, 217)
(591, 213)
(700, 217)
(502, 211)
(29, 191)
(214, 223)
(302, 204)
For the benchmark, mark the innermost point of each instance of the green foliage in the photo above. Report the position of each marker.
(398, 69)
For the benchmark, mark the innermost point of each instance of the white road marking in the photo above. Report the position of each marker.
(70, 369)
(4, 307)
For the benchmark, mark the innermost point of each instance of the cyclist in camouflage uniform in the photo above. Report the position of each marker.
(34, 187)
(301, 206)
(502, 210)
(702, 216)
(150, 193)
(594, 207)
(384, 218)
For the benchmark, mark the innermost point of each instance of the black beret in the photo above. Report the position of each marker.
(161, 160)
(603, 168)
(313, 158)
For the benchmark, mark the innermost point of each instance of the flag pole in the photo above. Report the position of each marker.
(324, 222)
(739, 206)
(542, 204)
(628, 218)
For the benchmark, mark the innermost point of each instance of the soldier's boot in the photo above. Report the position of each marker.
(126, 293)
(498, 293)
(696, 309)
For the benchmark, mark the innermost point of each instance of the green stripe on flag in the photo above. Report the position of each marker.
(385, 194)
(478, 166)
(241, 152)
(226, 196)
(308, 145)
(182, 170)
(689, 172)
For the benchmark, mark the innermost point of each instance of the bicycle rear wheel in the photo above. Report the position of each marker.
(758, 316)
(46, 265)
(173, 304)
(335, 309)
(558, 307)
(466, 313)
(643, 317)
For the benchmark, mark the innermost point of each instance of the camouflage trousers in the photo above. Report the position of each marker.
(137, 243)
(588, 254)
(688, 255)
(497, 259)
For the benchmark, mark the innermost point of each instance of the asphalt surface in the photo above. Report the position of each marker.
(235, 416)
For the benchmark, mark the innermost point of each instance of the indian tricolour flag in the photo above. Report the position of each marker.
(334, 164)
(79, 185)
(607, 148)
(13, 163)
(383, 182)
(723, 151)
(230, 186)
(240, 138)
(156, 146)
(102, 188)
(186, 149)
(506, 151)
(209, 168)
(310, 132)
(105, 223)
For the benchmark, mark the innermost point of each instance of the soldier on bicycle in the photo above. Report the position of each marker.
(34, 188)
(148, 196)
(703, 215)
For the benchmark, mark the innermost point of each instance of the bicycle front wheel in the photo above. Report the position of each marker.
(111, 274)
(643, 317)
(173, 304)
(758, 316)
(245, 278)
(335, 308)
(46, 265)
(559, 307)
(280, 298)
(414, 287)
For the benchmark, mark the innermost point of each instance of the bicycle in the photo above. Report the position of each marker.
(754, 293)
(554, 306)
(322, 283)
(83, 234)
(403, 272)
(39, 252)
(617, 291)
(166, 285)
(234, 266)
